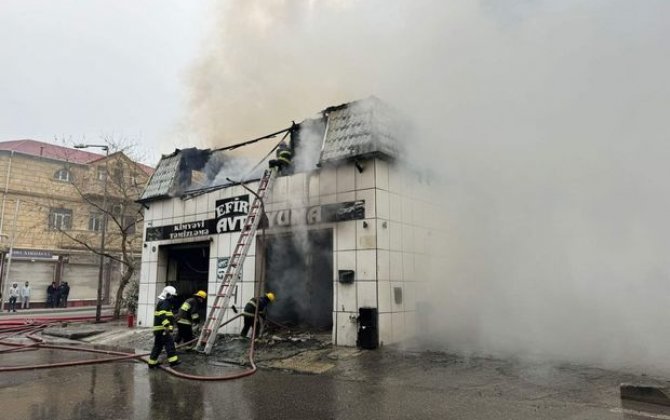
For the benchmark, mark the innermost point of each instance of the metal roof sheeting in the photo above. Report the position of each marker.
(162, 180)
(360, 129)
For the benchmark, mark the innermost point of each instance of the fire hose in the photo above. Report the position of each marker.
(17, 328)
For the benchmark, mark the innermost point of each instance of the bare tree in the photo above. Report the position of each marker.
(121, 180)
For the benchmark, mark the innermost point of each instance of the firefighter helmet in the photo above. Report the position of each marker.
(168, 291)
(270, 296)
(201, 294)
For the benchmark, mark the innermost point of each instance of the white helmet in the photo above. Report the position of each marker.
(167, 291)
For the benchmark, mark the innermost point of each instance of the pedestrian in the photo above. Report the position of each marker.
(163, 328)
(57, 295)
(51, 294)
(188, 317)
(25, 296)
(64, 292)
(13, 296)
(250, 311)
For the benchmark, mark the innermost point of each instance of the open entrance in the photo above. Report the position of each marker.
(299, 270)
(188, 268)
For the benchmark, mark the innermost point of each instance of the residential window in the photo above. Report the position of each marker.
(101, 173)
(95, 222)
(63, 175)
(60, 219)
(129, 223)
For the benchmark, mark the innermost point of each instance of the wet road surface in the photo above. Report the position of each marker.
(374, 385)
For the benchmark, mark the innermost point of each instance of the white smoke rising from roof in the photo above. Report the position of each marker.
(547, 122)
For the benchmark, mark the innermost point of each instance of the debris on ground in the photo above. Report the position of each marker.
(73, 332)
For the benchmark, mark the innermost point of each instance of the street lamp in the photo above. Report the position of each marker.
(98, 302)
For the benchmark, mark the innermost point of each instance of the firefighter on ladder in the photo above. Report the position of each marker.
(188, 317)
(163, 328)
(283, 157)
(250, 311)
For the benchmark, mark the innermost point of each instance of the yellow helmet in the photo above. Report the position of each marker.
(270, 296)
(201, 294)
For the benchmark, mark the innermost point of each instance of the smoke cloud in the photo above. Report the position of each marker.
(545, 123)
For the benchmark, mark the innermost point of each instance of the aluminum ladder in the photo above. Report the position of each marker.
(213, 322)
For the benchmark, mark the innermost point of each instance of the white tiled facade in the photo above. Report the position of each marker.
(389, 250)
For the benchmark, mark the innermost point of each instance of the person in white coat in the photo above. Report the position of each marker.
(25, 296)
(13, 296)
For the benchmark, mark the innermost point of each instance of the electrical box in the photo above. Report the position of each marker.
(345, 276)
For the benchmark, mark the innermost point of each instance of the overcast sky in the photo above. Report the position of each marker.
(97, 67)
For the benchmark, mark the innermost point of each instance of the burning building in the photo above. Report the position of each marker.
(347, 239)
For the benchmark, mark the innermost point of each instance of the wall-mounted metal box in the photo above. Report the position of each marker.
(345, 276)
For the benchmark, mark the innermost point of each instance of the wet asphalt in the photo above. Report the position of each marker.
(374, 385)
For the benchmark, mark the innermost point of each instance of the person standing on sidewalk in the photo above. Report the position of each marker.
(51, 294)
(64, 290)
(25, 296)
(13, 296)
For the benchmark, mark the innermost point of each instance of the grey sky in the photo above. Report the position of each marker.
(97, 67)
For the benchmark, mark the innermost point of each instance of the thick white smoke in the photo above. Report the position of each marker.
(546, 122)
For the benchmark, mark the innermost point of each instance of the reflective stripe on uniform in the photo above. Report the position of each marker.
(185, 306)
(166, 313)
(184, 321)
(153, 362)
(173, 359)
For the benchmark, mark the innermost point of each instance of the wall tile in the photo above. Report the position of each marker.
(346, 235)
(346, 297)
(346, 260)
(328, 199)
(395, 236)
(366, 237)
(366, 265)
(383, 234)
(407, 207)
(408, 267)
(189, 207)
(384, 296)
(347, 329)
(202, 208)
(178, 209)
(367, 294)
(279, 190)
(327, 181)
(407, 238)
(297, 188)
(396, 266)
(346, 196)
(383, 265)
(143, 293)
(249, 269)
(382, 205)
(313, 188)
(395, 207)
(399, 332)
(382, 174)
(345, 177)
(385, 329)
(369, 197)
(365, 179)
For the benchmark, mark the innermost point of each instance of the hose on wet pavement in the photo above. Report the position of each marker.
(28, 329)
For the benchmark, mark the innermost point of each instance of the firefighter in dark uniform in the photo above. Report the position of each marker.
(163, 328)
(284, 156)
(250, 311)
(189, 316)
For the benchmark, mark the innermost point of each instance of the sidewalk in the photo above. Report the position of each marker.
(51, 312)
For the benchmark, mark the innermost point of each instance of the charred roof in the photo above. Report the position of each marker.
(352, 131)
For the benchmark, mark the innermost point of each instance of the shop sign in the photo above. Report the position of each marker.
(33, 254)
(181, 230)
(231, 213)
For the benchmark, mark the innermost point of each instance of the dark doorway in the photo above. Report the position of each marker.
(299, 270)
(188, 268)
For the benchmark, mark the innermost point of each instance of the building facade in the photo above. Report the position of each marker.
(351, 231)
(50, 217)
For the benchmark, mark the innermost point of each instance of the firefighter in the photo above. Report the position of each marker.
(250, 311)
(284, 156)
(163, 328)
(188, 317)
